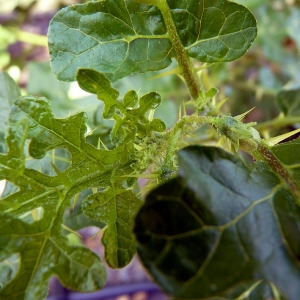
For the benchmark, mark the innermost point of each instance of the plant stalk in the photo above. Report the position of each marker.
(262, 153)
(279, 122)
(258, 150)
(276, 165)
(168, 165)
(29, 37)
(184, 62)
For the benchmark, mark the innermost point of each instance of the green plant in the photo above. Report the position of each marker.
(212, 225)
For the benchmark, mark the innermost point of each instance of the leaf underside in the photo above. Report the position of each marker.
(42, 248)
(219, 228)
(33, 246)
(40, 244)
(120, 38)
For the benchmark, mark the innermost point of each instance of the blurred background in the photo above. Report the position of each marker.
(267, 78)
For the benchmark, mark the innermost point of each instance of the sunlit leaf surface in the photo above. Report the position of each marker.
(39, 243)
(120, 38)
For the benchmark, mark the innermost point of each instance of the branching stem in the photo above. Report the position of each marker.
(260, 152)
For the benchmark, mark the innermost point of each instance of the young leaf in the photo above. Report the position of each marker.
(130, 114)
(218, 226)
(97, 83)
(119, 38)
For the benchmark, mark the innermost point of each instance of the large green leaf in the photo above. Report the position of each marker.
(39, 243)
(45, 253)
(219, 227)
(108, 36)
(213, 30)
(120, 38)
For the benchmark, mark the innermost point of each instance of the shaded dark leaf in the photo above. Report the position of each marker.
(218, 226)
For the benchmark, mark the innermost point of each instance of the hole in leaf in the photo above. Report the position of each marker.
(54, 162)
(7, 188)
(8, 269)
(2, 186)
(33, 215)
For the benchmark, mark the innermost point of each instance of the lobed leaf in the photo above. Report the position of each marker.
(117, 209)
(75, 218)
(220, 227)
(38, 241)
(130, 114)
(119, 38)
(43, 254)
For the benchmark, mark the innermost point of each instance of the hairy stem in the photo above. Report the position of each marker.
(257, 149)
(262, 153)
(276, 165)
(181, 56)
(168, 165)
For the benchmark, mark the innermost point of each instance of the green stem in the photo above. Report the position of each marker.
(261, 153)
(258, 150)
(182, 127)
(280, 121)
(246, 86)
(172, 147)
(30, 38)
(184, 62)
